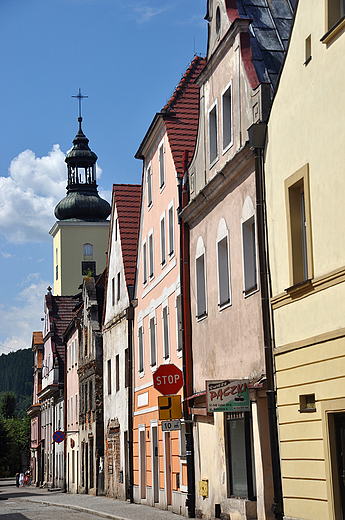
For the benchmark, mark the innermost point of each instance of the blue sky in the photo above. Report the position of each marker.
(127, 57)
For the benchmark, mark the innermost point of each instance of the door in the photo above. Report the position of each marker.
(142, 463)
(155, 463)
(339, 424)
(167, 467)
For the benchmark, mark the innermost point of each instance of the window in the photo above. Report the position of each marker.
(56, 266)
(213, 133)
(249, 246)
(171, 245)
(109, 376)
(200, 279)
(140, 349)
(76, 350)
(145, 262)
(227, 118)
(179, 323)
(153, 350)
(161, 159)
(116, 229)
(307, 50)
(166, 346)
(118, 287)
(241, 456)
(76, 408)
(71, 410)
(72, 352)
(299, 228)
(335, 11)
(117, 369)
(149, 186)
(223, 264)
(87, 249)
(163, 254)
(151, 255)
(127, 371)
(67, 411)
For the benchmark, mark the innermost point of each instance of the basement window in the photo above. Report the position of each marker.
(307, 403)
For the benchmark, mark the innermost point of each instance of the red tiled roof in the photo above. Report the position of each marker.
(181, 114)
(127, 198)
(63, 310)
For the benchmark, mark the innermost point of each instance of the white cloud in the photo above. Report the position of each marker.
(6, 255)
(29, 194)
(28, 311)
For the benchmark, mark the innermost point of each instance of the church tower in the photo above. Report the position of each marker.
(80, 235)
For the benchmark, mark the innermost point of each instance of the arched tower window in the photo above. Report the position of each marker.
(88, 250)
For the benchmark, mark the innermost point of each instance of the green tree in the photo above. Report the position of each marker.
(8, 405)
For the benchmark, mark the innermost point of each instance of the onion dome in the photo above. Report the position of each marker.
(82, 201)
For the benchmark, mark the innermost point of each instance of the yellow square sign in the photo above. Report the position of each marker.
(203, 488)
(169, 407)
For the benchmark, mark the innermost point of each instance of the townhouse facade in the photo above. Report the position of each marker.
(159, 458)
(34, 411)
(118, 340)
(304, 159)
(234, 444)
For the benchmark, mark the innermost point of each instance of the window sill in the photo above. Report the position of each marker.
(201, 316)
(149, 206)
(211, 165)
(299, 287)
(225, 305)
(163, 264)
(334, 31)
(141, 374)
(307, 410)
(250, 291)
(227, 148)
(161, 188)
(171, 255)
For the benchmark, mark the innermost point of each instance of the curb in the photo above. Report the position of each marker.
(77, 508)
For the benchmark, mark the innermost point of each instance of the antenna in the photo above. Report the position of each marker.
(80, 97)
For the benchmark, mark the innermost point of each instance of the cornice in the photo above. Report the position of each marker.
(199, 206)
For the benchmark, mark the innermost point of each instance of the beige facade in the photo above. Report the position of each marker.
(75, 243)
(304, 185)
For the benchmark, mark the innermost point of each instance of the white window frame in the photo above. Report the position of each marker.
(171, 230)
(226, 111)
(76, 409)
(145, 265)
(87, 249)
(249, 250)
(151, 255)
(200, 253)
(179, 323)
(166, 332)
(162, 227)
(149, 185)
(141, 349)
(161, 162)
(213, 133)
(223, 235)
(153, 335)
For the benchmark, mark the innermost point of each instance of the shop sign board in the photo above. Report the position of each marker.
(227, 396)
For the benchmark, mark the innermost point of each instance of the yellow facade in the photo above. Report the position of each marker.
(304, 162)
(68, 252)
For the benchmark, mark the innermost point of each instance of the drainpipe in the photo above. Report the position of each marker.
(65, 422)
(129, 375)
(187, 338)
(257, 135)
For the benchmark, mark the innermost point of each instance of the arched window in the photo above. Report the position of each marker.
(223, 262)
(87, 249)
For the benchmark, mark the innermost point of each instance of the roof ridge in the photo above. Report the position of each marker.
(182, 84)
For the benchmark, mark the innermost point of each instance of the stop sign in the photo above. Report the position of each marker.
(168, 379)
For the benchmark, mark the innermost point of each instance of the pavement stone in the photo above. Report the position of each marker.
(103, 507)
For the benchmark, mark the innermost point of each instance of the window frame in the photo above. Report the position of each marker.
(151, 255)
(149, 186)
(223, 235)
(161, 162)
(162, 225)
(249, 248)
(201, 313)
(230, 142)
(141, 350)
(213, 134)
(171, 229)
(153, 340)
(166, 331)
(293, 185)
(145, 265)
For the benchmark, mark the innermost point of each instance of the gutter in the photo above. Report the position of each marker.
(187, 359)
(257, 137)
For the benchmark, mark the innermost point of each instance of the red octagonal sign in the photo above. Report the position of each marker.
(168, 379)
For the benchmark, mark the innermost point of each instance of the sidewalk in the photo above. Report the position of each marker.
(100, 506)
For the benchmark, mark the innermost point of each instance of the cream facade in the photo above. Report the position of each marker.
(75, 243)
(304, 185)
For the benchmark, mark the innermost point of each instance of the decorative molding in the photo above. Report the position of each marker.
(308, 342)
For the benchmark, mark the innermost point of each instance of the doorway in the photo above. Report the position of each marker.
(155, 462)
(339, 430)
(142, 462)
(167, 467)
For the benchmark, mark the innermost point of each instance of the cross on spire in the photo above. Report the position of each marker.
(80, 97)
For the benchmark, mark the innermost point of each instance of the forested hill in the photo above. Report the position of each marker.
(16, 375)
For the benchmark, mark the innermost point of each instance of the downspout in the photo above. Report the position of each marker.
(257, 135)
(187, 338)
(65, 421)
(130, 318)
